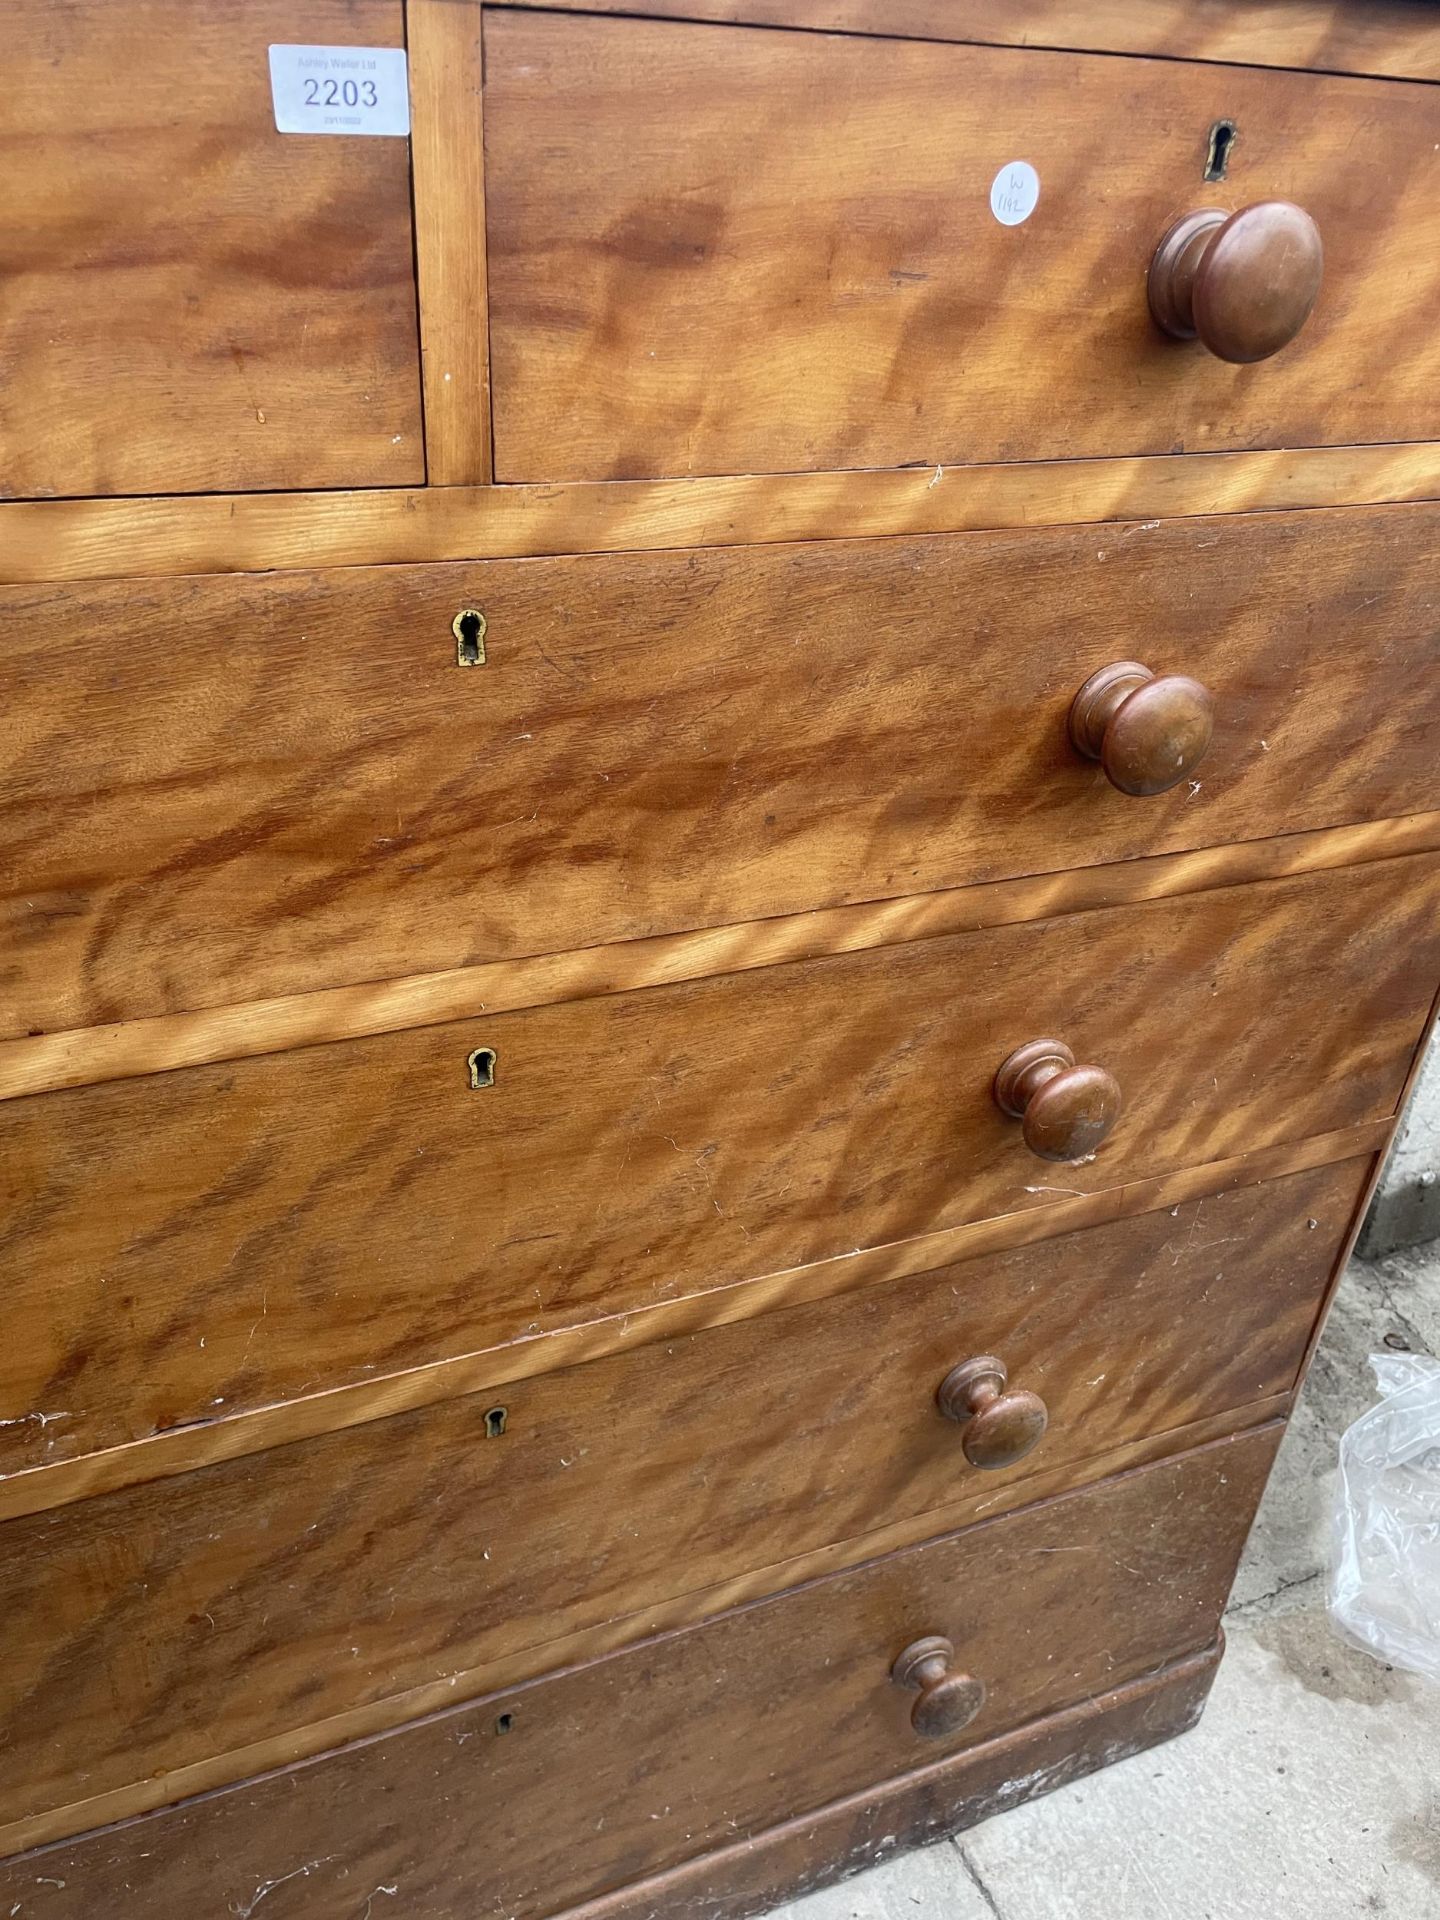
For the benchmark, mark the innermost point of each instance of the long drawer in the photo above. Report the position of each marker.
(534, 1799)
(1381, 37)
(727, 250)
(223, 787)
(192, 1243)
(318, 1578)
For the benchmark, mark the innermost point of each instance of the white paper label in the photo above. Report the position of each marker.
(1014, 192)
(340, 89)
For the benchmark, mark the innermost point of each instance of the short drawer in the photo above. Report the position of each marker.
(221, 788)
(484, 1529)
(699, 1737)
(728, 250)
(192, 301)
(191, 1243)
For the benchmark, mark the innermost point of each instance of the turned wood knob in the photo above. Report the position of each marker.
(948, 1701)
(1148, 732)
(1067, 1110)
(1243, 282)
(996, 1428)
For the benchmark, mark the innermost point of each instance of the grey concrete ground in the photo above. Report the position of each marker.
(1312, 1785)
(1407, 1205)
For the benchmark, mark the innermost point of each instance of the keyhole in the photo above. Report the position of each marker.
(1223, 136)
(494, 1423)
(468, 627)
(482, 1067)
(504, 1722)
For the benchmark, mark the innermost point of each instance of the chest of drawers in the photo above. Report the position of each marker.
(721, 866)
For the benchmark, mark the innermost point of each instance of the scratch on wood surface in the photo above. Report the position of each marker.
(267, 1887)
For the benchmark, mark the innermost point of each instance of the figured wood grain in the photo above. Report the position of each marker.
(864, 1829)
(93, 539)
(294, 1559)
(446, 158)
(699, 1735)
(742, 1877)
(326, 1215)
(234, 1436)
(659, 743)
(1395, 38)
(1417, 1063)
(221, 1769)
(715, 250)
(453, 1545)
(91, 1055)
(255, 329)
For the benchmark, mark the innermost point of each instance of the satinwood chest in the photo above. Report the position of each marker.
(719, 869)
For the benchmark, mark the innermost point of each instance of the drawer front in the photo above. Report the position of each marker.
(660, 741)
(477, 1530)
(226, 1236)
(1346, 36)
(253, 330)
(657, 1754)
(723, 250)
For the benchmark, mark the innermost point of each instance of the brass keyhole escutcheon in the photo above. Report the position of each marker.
(468, 627)
(482, 1067)
(1223, 136)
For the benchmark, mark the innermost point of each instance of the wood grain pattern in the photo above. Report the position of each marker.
(235, 1436)
(336, 1213)
(1417, 1063)
(453, 1545)
(746, 1876)
(700, 1735)
(446, 77)
(94, 539)
(341, 1391)
(659, 742)
(1395, 38)
(256, 329)
(90, 1056)
(799, 1856)
(221, 1769)
(714, 250)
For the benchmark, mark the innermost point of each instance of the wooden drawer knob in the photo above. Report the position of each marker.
(1243, 282)
(1148, 733)
(948, 1701)
(996, 1428)
(1067, 1110)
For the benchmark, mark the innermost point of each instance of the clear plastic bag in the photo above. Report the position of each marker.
(1385, 1574)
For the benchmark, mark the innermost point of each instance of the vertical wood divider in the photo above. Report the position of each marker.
(448, 174)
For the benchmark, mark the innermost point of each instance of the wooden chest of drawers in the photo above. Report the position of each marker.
(721, 866)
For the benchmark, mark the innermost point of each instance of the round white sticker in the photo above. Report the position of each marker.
(1014, 192)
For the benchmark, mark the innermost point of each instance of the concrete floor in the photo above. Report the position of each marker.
(1311, 1786)
(1406, 1208)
